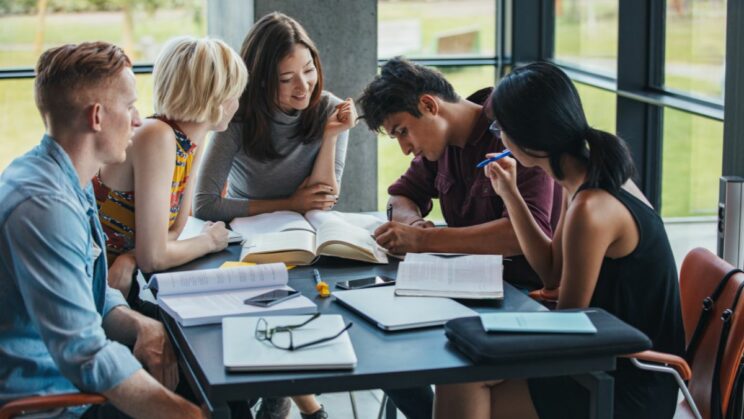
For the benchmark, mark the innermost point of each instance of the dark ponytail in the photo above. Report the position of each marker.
(610, 164)
(539, 109)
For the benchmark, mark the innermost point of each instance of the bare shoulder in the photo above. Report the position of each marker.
(153, 136)
(593, 209)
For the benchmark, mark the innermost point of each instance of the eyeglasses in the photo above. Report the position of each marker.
(265, 333)
(494, 129)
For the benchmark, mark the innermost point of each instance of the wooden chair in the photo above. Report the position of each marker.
(700, 274)
(36, 404)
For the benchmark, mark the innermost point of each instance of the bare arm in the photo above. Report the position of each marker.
(141, 396)
(536, 245)
(154, 161)
(343, 118)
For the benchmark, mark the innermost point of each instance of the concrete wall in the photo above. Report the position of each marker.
(345, 33)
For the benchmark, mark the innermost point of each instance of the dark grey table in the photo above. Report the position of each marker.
(385, 359)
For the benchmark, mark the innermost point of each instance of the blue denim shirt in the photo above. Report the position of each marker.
(53, 290)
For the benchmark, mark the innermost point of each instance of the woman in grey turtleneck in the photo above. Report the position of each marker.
(286, 146)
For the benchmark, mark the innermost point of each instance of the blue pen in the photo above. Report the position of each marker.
(494, 158)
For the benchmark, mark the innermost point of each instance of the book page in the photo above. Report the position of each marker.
(367, 222)
(339, 231)
(199, 281)
(273, 222)
(281, 242)
(194, 227)
(470, 273)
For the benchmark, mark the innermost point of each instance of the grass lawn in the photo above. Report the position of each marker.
(692, 145)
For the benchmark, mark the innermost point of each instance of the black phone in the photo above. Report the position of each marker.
(270, 298)
(373, 281)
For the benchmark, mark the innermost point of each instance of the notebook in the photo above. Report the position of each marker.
(241, 351)
(290, 237)
(206, 296)
(550, 322)
(451, 275)
(391, 312)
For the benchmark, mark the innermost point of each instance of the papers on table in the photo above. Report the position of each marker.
(540, 322)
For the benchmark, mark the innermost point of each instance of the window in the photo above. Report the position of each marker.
(695, 47)
(691, 166)
(599, 107)
(421, 28)
(586, 34)
(140, 28)
(391, 163)
(22, 39)
(21, 126)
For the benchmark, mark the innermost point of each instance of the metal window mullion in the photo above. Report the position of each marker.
(640, 66)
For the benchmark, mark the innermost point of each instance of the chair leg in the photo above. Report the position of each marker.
(677, 378)
(382, 406)
(353, 405)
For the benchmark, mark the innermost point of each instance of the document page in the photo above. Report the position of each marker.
(273, 222)
(199, 281)
(468, 273)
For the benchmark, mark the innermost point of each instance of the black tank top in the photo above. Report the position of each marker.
(642, 289)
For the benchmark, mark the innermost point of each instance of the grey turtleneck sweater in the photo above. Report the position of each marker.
(247, 178)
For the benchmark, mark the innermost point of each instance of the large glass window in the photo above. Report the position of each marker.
(21, 126)
(427, 28)
(696, 46)
(599, 107)
(140, 27)
(586, 34)
(392, 163)
(691, 165)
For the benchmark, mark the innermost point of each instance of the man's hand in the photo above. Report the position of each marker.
(153, 349)
(422, 223)
(310, 197)
(399, 238)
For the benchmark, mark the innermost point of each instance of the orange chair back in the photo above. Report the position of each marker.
(700, 274)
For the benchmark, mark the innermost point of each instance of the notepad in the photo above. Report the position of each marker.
(241, 351)
(550, 322)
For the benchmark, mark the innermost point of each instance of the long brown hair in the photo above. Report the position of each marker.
(269, 41)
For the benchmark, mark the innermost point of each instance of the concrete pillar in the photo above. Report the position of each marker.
(230, 20)
(345, 33)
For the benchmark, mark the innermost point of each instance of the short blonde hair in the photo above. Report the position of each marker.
(194, 77)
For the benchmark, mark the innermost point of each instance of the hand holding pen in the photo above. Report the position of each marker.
(493, 158)
(502, 172)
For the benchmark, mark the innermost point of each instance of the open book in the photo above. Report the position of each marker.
(286, 236)
(454, 276)
(195, 225)
(206, 296)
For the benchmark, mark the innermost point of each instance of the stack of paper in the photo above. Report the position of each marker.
(454, 276)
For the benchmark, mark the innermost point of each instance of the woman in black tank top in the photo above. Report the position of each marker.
(610, 250)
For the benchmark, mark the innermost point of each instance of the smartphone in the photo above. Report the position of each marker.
(270, 298)
(374, 281)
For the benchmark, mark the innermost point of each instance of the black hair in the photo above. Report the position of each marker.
(398, 88)
(539, 109)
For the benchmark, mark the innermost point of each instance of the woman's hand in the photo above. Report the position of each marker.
(217, 234)
(121, 272)
(311, 197)
(343, 118)
(503, 175)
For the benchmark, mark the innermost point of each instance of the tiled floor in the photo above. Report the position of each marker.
(683, 236)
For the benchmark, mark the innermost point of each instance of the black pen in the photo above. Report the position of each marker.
(390, 212)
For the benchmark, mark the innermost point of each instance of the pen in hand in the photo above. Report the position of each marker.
(494, 158)
(390, 211)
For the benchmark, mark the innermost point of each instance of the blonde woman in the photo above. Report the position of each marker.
(197, 84)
